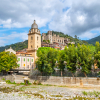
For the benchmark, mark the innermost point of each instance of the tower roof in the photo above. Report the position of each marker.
(34, 25)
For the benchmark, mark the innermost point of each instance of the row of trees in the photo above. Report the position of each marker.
(71, 57)
(7, 61)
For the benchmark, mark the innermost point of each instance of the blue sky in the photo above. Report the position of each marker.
(72, 17)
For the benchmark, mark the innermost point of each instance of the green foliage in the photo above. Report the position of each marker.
(85, 93)
(9, 82)
(16, 46)
(46, 59)
(71, 57)
(7, 61)
(61, 59)
(97, 46)
(85, 60)
(46, 41)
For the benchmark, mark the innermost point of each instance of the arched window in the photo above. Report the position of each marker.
(37, 46)
(31, 38)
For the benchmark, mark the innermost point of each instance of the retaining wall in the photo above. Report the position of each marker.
(67, 80)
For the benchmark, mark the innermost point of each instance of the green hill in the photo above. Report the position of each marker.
(93, 40)
(16, 46)
(22, 45)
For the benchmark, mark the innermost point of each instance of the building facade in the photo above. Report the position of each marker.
(52, 37)
(10, 50)
(25, 62)
(55, 38)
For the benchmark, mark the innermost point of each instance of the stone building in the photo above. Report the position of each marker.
(52, 37)
(55, 38)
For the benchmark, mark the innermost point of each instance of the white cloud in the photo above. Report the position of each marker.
(10, 38)
(81, 17)
(88, 35)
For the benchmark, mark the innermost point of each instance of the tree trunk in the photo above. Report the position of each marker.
(72, 74)
(61, 73)
(85, 74)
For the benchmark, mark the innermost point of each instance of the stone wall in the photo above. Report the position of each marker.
(67, 80)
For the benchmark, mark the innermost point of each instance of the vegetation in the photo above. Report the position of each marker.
(73, 57)
(16, 46)
(85, 60)
(7, 61)
(46, 59)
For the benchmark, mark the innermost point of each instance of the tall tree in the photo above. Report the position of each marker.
(61, 59)
(97, 46)
(85, 58)
(71, 57)
(46, 59)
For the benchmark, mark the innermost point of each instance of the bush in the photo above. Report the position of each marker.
(9, 82)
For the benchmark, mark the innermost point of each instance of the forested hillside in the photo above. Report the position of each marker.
(16, 46)
(22, 45)
(93, 40)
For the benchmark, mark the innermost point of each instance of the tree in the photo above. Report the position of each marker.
(97, 47)
(85, 58)
(71, 57)
(7, 61)
(97, 59)
(46, 59)
(61, 59)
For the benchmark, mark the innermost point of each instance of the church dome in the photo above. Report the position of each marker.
(34, 25)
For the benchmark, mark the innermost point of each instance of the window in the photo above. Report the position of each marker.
(31, 38)
(31, 46)
(18, 65)
(32, 60)
(58, 40)
(28, 60)
(37, 38)
(37, 46)
(18, 59)
(24, 59)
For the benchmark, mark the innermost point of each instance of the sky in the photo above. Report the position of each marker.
(72, 17)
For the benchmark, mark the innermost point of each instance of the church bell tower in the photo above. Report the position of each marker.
(34, 40)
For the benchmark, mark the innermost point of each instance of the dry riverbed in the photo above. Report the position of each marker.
(47, 92)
